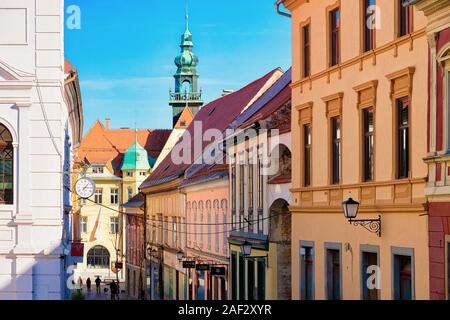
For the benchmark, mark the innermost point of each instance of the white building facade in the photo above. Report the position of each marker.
(39, 128)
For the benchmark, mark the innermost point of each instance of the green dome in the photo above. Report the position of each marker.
(186, 61)
(135, 158)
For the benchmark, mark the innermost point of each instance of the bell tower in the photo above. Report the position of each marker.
(187, 93)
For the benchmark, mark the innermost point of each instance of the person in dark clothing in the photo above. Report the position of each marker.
(97, 284)
(113, 288)
(88, 284)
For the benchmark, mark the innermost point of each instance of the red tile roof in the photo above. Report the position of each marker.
(270, 108)
(107, 146)
(217, 114)
(68, 67)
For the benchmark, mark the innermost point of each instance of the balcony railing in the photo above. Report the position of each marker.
(187, 96)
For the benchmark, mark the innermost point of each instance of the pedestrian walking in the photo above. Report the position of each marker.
(88, 284)
(80, 283)
(113, 289)
(97, 284)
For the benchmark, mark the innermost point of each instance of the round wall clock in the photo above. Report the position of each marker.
(85, 187)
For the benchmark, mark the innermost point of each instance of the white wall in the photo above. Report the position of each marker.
(32, 57)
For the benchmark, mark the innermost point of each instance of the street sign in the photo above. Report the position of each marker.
(218, 271)
(202, 267)
(189, 264)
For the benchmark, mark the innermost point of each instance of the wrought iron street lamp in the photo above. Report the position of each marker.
(246, 249)
(351, 207)
(180, 255)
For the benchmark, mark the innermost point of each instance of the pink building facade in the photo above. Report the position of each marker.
(207, 196)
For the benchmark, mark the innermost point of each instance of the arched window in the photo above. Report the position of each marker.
(200, 209)
(208, 212)
(216, 222)
(98, 258)
(223, 205)
(186, 87)
(194, 210)
(6, 166)
(189, 219)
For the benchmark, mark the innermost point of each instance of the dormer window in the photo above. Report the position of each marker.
(97, 170)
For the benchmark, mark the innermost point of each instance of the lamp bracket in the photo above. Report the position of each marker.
(372, 225)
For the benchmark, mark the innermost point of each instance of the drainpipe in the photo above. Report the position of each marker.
(277, 5)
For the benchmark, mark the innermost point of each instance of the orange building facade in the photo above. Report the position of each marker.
(359, 102)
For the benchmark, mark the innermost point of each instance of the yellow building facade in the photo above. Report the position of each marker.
(359, 97)
(118, 161)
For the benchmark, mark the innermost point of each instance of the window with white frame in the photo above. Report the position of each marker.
(114, 196)
(114, 225)
(174, 232)
(98, 170)
(83, 224)
(98, 196)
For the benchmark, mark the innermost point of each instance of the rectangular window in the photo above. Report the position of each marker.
(405, 19)
(306, 51)
(250, 185)
(166, 230)
(114, 225)
(130, 194)
(260, 184)
(142, 173)
(403, 277)
(114, 196)
(154, 235)
(241, 187)
(97, 170)
(333, 274)
(369, 268)
(83, 224)
(98, 196)
(233, 187)
(368, 25)
(129, 174)
(307, 155)
(402, 138)
(368, 156)
(335, 16)
(174, 232)
(307, 273)
(336, 149)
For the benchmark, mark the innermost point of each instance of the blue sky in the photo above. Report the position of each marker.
(125, 52)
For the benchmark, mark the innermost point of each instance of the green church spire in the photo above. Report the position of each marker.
(187, 93)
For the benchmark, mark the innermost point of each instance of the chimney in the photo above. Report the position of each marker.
(108, 123)
(226, 92)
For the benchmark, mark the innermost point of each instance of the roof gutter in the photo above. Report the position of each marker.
(282, 13)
